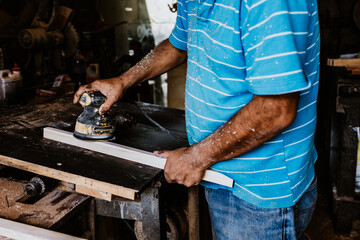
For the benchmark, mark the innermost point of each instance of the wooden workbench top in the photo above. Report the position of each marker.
(22, 145)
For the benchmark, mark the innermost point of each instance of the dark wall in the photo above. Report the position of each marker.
(338, 30)
(339, 35)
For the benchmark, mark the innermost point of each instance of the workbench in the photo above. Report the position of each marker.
(344, 149)
(23, 146)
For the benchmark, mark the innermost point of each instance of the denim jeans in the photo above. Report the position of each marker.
(236, 219)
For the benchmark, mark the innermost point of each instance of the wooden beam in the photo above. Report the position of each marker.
(20, 231)
(70, 187)
(93, 193)
(193, 213)
(69, 177)
(344, 62)
(128, 153)
(355, 70)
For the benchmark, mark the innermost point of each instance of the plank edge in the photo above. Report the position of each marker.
(132, 154)
(20, 231)
(69, 177)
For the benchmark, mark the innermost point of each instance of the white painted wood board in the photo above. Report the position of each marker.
(128, 153)
(20, 231)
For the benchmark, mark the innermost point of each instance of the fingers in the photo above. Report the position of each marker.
(177, 169)
(162, 154)
(186, 180)
(168, 179)
(190, 184)
(81, 90)
(106, 105)
(108, 87)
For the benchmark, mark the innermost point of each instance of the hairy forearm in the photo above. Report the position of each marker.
(260, 120)
(162, 59)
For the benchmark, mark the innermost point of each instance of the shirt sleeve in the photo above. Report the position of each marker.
(274, 36)
(178, 37)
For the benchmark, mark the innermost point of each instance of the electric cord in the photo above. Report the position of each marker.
(174, 135)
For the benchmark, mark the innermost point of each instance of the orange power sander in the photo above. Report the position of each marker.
(90, 125)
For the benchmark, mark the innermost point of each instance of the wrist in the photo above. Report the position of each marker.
(123, 83)
(201, 155)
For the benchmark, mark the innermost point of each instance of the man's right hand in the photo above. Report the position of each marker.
(112, 88)
(164, 57)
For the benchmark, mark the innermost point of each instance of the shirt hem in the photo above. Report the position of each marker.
(177, 44)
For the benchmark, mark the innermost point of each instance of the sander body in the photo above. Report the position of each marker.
(90, 125)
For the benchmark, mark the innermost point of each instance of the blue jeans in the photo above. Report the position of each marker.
(235, 219)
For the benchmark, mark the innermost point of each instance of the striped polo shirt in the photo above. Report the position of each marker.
(240, 48)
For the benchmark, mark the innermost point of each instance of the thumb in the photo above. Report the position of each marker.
(81, 90)
(106, 106)
(162, 154)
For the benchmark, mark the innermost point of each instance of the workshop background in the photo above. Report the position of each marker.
(48, 48)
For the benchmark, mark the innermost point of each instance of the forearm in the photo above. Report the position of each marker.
(260, 120)
(162, 59)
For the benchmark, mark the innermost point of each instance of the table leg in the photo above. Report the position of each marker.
(153, 215)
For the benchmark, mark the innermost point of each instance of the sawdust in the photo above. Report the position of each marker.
(15, 210)
(145, 63)
(42, 213)
(37, 116)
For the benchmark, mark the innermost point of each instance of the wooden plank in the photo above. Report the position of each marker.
(355, 71)
(69, 187)
(344, 62)
(128, 153)
(94, 193)
(68, 177)
(20, 231)
(193, 213)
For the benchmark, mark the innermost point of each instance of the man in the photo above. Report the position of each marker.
(252, 82)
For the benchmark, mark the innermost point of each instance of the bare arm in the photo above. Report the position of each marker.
(162, 59)
(260, 120)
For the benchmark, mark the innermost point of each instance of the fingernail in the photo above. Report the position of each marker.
(158, 153)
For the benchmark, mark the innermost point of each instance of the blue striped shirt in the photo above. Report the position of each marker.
(240, 48)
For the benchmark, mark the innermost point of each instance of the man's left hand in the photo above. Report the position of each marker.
(182, 166)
